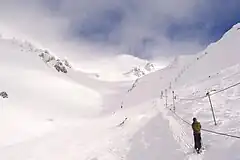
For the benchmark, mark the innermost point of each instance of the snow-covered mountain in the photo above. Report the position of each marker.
(51, 60)
(119, 68)
(141, 71)
(74, 115)
(136, 71)
(149, 67)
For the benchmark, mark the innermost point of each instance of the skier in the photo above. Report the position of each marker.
(196, 126)
(122, 104)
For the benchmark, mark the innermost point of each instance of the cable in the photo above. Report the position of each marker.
(223, 134)
(206, 130)
(234, 85)
(192, 99)
(211, 94)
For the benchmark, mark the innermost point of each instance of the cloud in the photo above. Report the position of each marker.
(133, 26)
(29, 19)
(139, 27)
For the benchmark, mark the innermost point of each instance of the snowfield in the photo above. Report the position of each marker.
(76, 115)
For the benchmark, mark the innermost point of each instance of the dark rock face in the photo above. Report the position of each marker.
(59, 65)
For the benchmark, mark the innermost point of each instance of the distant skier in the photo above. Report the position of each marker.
(196, 126)
(121, 104)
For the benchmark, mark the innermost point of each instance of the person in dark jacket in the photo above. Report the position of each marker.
(196, 126)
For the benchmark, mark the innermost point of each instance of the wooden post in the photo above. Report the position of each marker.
(161, 95)
(174, 108)
(208, 94)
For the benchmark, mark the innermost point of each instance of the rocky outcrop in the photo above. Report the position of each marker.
(141, 71)
(59, 65)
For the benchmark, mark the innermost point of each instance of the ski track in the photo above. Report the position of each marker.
(178, 128)
(181, 137)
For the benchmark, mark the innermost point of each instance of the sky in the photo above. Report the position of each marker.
(141, 28)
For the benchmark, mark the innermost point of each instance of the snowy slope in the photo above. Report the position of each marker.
(37, 96)
(24, 74)
(191, 78)
(120, 67)
(53, 115)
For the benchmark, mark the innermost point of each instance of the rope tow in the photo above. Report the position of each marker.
(211, 94)
(206, 130)
(224, 89)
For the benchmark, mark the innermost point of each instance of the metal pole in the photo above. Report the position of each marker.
(174, 108)
(212, 108)
(166, 96)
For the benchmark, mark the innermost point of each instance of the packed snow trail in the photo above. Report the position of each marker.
(155, 141)
(181, 133)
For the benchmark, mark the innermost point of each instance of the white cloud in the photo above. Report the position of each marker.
(55, 27)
